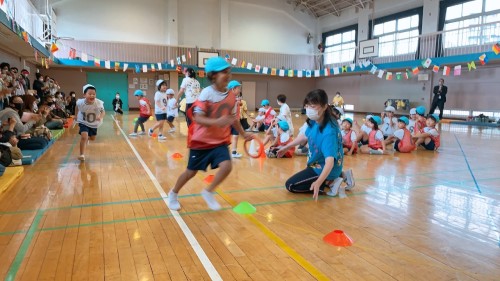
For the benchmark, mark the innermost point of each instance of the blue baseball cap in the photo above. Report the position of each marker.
(138, 93)
(420, 110)
(283, 125)
(434, 116)
(233, 84)
(264, 103)
(404, 119)
(348, 120)
(216, 64)
(377, 119)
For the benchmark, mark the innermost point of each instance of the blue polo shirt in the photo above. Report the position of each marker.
(327, 143)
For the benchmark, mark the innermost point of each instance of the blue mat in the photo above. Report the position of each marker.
(30, 156)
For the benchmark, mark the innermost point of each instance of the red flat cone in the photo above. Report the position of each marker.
(208, 179)
(177, 155)
(338, 238)
(154, 135)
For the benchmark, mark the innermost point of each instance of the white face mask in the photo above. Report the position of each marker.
(279, 103)
(35, 107)
(117, 97)
(312, 114)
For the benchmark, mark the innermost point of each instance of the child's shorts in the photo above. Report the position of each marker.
(170, 119)
(234, 132)
(141, 120)
(199, 159)
(161, 116)
(430, 146)
(85, 128)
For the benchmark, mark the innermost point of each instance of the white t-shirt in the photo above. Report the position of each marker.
(386, 127)
(259, 118)
(284, 137)
(88, 113)
(287, 114)
(379, 135)
(212, 95)
(431, 131)
(399, 133)
(411, 126)
(171, 108)
(192, 89)
(365, 129)
(302, 130)
(161, 97)
(353, 135)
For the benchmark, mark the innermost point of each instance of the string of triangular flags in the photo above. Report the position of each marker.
(447, 70)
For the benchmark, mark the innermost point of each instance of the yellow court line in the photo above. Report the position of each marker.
(278, 241)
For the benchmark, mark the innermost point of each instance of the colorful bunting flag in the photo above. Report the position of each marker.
(435, 68)
(234, 61)
(53, 48)
(153, 68)
(327, 72)
(483, 59)
(84, 57)
(172, 64)
(496, 48)
(344, 68)
(446, 71)
(243, 64)
(265, 70)
(249, 66)
(427, 63)
(227, 57)
(189, 54)
(97, 62)
(316, 73)
(373, 70)
(26, 37)
(178, 60)
(137, 68)
(159, 66)
(415, 70)
(183, 58)
(273, 71)
(408, 73)
(336, 71)
(72, 53)
(353, 66)
(381, 73)
(107, 64)
(282, 72)
(308, 74)
(144, 68)
(300, 73)
(457, 71)
(367, 63)
(471, 65)
(398, 76)
(290, 73)
(389, 76)
(125, 66)
(117, 66)
(257, 68)
(405, 75)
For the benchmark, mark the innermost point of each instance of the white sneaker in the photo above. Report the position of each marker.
(236, 154)
(171, 130)
(210, 199)
(334, 187)
(255, 130)
(133, 134)
(81, 157)
(141, 133)
(349, 179)
(248, 130)
(150, 132)
(172, 202)
(162, 137)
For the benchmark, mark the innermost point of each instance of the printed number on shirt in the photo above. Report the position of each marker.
(164, 102)
(89, 117)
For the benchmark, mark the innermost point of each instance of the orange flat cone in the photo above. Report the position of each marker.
(338, 238)
(208, 179)
(177, 155)
(154, 135)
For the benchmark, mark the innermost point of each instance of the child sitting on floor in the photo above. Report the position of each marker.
(404, 142)
(375, 138)
(430, 138)
(348, 137)
(283, 138)
(258, 121)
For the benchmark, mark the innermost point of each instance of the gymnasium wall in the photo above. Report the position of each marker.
(18, 62)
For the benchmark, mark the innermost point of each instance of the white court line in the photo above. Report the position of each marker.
(202, 256)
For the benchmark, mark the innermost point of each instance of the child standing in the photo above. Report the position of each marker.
(210, 133)
(285, 112)
(90, 114)
(404, 142)
(349, 137)
(375, 138)
(234, 87)
(430, 138)
(144, 113)
(283, 138)
(117, 104)
(172, 111)
(160, 109)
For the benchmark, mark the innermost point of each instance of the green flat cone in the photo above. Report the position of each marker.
(244, 208)
(135, 119)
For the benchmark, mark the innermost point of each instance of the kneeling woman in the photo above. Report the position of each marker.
(326, 156)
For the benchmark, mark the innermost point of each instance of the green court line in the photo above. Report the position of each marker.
(17, 212)
(12, 232)
(21, 253)
(65, 161)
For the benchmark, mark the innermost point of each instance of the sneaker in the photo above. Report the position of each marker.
(236, 154)
(255, 130)
(210, 199)
(162, 137)
(81, 157)
(349, 179)
(248, 130)
(334, 187)
(150, 132)
(141, 133)
(171, 130)
(173, 202)
(133, 134)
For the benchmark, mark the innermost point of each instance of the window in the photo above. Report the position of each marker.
(397, 36)
(340, 46)
(472, 23)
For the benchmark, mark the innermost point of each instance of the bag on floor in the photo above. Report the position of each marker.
(42, 132)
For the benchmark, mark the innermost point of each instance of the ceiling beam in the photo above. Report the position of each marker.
(335, 9)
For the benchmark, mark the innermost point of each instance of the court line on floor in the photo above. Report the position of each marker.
(202, 256)
(21, 253)
(467, 162)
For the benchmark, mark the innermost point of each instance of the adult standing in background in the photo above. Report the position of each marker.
(439, 99)
(338, 100)
(191, 87)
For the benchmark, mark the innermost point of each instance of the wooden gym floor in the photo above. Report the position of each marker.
(419, 216)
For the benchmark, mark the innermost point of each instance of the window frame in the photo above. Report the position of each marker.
(340, 31)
